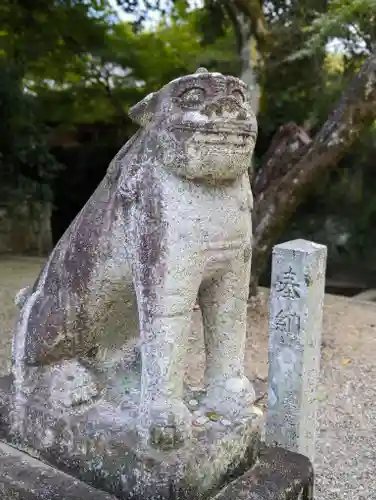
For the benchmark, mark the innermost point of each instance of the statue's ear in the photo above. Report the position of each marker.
(142, 112)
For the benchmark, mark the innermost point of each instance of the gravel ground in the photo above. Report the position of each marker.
(346, 456)
(346, 448)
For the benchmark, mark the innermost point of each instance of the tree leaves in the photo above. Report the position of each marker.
(351, 22)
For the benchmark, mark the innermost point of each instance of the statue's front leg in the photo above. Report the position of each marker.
(223, 302)
(165, 308)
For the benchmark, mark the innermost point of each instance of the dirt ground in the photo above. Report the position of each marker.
(346, 449)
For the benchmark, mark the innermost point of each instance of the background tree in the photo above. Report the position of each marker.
(74, 67)
(38, 44)
(296, 162)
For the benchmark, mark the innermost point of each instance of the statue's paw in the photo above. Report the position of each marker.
(83, 393)
(73, 384)
(168, 424)
(231, 397)
(22, 296)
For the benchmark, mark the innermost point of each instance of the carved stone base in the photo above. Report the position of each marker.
(22, 477)
(279, 474)
(99, 445)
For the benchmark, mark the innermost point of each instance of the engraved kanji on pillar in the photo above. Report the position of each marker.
(296, 307)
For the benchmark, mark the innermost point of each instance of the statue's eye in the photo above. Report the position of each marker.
(193, 97)
(239, 96)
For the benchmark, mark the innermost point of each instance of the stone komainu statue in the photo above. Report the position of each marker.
(170, 222)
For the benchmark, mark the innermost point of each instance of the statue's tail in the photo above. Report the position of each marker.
(22, 296)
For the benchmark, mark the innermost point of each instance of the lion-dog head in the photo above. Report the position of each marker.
(200, 126)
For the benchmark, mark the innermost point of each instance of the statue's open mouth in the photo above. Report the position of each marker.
(221, 138)
(210, 134)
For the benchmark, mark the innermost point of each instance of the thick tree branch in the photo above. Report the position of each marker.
(276, 201)
(233, 15)
(290, 141)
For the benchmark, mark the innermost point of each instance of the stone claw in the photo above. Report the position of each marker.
(166, 425)
(232, 397)
(83, 394)
(164, 438)
(72, 384)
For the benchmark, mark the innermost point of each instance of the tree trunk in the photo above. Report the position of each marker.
(294, 162)
(247, 51)
(248, 73)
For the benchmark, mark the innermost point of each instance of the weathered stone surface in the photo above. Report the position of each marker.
(22, 477)
(169, 222)
(296, 309)
(98, 351)
(98, 444)
(279, 475)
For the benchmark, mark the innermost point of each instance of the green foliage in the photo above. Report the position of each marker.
(351, 22)
(341, 211)
(26, 165)
(39, 42)
(346, 197)
(357, 185)
(67, 63)
(100, 84)
(44, 35)
(291, 88)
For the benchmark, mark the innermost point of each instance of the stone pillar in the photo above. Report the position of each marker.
(296, 310)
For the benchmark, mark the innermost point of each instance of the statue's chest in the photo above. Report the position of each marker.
(209, 218)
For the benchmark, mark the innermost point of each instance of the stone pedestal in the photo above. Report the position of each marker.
(23, 477)
(99, 445)
(278, 475)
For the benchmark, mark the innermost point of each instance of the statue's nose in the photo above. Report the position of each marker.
(226, 107)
